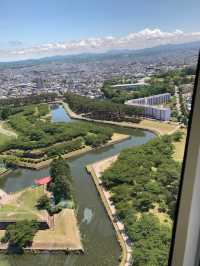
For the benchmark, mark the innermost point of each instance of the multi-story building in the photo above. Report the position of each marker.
(153, 100)
(149, 105)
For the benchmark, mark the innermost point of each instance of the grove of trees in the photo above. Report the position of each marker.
(141, 179)
(61, 184)
(103, 109)
(32, 99)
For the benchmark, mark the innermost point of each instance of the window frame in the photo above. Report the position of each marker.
(185, 242)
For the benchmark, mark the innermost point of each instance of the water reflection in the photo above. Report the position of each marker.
(87, 216)
(59, 115)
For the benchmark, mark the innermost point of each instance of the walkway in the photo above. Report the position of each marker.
(5, 131)
(96, 170)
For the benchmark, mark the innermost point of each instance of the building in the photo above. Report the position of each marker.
(153, 100)
(43, 181)
(155, 112)
(151, 108)
(130, 86)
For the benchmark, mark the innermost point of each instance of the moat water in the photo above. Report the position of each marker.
(98, 236)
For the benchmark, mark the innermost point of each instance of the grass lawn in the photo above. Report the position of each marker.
(180, 146)
(64, 234)
(162, 127)
(4, 139)
(22, 205)
(163, 217)
(6, 130)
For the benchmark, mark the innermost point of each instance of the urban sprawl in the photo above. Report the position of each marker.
(86, 78)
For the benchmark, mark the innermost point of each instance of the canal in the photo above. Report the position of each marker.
(98, 236)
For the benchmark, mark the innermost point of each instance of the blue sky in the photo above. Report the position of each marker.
(33, 22)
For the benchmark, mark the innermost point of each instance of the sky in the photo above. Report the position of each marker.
(37, 28)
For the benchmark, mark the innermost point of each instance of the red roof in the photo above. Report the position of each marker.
(43, 181)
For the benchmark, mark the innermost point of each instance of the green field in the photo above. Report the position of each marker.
(22, 205)
(180, 147)
(4, 139)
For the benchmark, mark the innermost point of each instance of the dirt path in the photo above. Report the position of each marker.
(5, 131)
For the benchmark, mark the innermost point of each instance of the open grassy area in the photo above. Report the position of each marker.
(4, 138)
(162, 127)
(162, 216)
(21, 205)
(64, 234)
(6, 134)
(180, 147)
(6, 131)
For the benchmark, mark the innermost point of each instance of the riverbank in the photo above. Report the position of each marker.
(4, 172)
(95, 171)
(116, 138)
(156, 127)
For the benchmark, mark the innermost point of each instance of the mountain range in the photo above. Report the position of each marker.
(159, 51)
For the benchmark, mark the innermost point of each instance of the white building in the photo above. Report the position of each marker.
(149, 106)
(153, 100)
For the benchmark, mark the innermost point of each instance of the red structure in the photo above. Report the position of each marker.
(43, 181)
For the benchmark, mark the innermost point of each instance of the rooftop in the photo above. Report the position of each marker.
(43, 181)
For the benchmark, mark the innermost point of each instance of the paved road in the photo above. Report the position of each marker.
(178, 106)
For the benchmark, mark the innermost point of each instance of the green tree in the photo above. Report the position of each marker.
(20, 234)
(151, 241)
(61, 183)
(177, 136)
(43, 203)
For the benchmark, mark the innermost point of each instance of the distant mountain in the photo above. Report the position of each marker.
(163, 50)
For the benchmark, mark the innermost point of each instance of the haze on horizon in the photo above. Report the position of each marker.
(35, 29)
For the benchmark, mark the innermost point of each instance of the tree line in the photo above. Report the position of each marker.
(32, 99)
(100, 109)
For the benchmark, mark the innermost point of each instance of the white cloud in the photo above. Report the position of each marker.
(136, 40)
